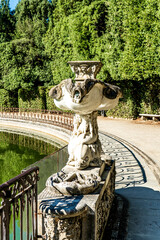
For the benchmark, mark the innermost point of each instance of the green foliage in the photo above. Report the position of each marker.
(125, 108)
(4, 98)
(140, 58)
(33, 9)
(129, 48)
(110, 44)
(123, 34)
(122, 110)
(32, 99)
(23, 62)
(138, 97)
(7, 22)
(32, 18)
(74, 34)
(23, 65)
(151, 97)
(8, 99)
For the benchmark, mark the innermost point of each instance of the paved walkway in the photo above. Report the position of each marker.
(135, 146)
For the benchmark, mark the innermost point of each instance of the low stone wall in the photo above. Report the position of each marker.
(52, 125)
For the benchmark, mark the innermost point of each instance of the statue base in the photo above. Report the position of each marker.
(77, 217)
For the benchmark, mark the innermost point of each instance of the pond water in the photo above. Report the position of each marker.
(22, 151)
(18, 151)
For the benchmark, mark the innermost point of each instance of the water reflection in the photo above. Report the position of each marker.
(49, 165)
(18, 151)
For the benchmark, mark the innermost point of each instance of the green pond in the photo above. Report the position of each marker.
(23, 151)
(19, 151)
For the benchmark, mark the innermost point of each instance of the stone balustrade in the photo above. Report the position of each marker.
(60, 119)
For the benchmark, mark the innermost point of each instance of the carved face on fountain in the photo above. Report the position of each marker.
(86, 94)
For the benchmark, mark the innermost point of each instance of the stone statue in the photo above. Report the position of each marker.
(84, 96)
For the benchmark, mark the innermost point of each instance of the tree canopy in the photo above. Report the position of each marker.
(24, 63)
(7, 21)
(41, 36)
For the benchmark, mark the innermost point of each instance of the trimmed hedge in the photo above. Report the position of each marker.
(32, 99)
(4, 99)
(138, 97)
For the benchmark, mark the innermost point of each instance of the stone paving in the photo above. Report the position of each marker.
(136, 180)
(129, 172)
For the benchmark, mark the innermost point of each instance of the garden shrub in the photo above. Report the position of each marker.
(32, 99)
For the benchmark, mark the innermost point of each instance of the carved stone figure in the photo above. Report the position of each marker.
(82, 215)
(78, 217)
(84, 147)
(84, 96)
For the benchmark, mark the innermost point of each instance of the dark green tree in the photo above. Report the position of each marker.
(24, 63)
(32, 17)
(7, 21)
(123, 34)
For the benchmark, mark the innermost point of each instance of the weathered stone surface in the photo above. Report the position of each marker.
(78, 217)
(85, 69)
(70, 181)
(58, 229)
(84, 147)
(63, 206)
(84, 216)
(84, 96)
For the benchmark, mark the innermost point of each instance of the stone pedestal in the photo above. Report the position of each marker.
(76, 202)
(77, 217)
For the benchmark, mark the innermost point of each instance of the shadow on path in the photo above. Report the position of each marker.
(143, 213)
(136, 210)
(129, 171)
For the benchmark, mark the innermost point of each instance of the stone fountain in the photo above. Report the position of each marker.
(77, 200)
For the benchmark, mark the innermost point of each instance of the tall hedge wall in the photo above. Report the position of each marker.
(138, 97)
(4, 99)
(32, 99)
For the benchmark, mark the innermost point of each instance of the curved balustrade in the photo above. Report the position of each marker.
(58, 118)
